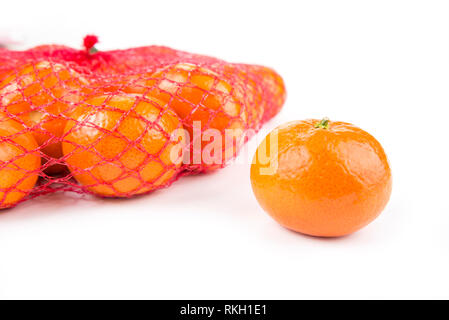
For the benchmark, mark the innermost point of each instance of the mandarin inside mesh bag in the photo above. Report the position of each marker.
(124, 122)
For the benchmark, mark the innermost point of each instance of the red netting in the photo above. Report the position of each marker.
(124, 122)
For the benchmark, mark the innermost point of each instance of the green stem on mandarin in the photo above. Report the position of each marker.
(323, 124)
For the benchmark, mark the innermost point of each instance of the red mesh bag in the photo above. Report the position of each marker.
(124, 122)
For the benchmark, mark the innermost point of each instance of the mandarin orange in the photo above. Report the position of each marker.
(19, 162)
(261, 88)
(122, 145)
(214, 119)
(321, 178)
(40, 94)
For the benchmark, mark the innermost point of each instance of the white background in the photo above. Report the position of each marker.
(382, 65)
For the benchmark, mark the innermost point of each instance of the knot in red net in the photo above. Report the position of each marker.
(89, 42)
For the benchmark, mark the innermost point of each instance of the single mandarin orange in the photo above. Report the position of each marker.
(40, 94)
(274, 90)
(214, 119)
(261, 88)
(321, 178)
(122, 145)
(19, 162)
